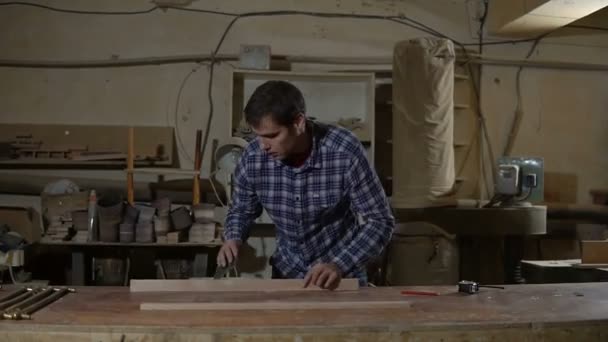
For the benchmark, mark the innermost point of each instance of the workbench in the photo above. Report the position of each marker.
(81, 252)
(549, 312)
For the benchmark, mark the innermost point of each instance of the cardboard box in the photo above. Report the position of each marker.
(595, 252)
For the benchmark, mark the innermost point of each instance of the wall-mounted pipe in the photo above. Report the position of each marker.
(382, 63)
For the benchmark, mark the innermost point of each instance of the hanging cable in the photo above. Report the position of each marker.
(71, 11)
(400, 19)
(514, 130)
(176, 112)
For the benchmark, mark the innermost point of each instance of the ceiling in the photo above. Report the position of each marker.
(531, 18)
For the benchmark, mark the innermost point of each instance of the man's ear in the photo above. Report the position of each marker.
(300, 123)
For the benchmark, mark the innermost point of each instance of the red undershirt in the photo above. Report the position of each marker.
(299, 159)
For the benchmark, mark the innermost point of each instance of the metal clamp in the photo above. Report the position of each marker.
(15, 297)
(22, 303)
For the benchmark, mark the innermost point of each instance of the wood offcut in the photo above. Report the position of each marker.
(231, 284)
(275, 305)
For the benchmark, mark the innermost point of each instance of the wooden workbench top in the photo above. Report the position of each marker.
(551, 308)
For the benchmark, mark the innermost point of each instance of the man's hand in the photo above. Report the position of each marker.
(325, 276)
(228, 253)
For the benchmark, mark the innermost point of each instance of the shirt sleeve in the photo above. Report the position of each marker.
(245, 206)
(369, 203)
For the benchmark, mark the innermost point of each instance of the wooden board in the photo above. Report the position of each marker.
(594, 252)
(149, 142)
(598, 266)
(547, 312)
(275, 305)
(231, 285)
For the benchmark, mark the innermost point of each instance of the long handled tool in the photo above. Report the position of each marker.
(27, 312)
(8, 312)
(196, 188)
(15, 297)
(130, 165)
(24, 305)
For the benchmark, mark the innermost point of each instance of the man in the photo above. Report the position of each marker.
(315, 182)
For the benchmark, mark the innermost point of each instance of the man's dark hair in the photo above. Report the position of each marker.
(280, 99)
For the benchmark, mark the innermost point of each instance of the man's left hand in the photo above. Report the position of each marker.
(326, 276)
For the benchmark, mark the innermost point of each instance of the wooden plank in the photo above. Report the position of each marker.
(130, 157)
(211, 244)
(558, 312)
(196, 191)
(163, 171)
(276, 305)
(98, 156)
(231, 285)
(154, 145)
(594, 252)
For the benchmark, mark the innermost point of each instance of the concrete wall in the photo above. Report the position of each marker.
(564, 110)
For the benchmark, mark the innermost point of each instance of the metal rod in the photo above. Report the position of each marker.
(126, 62)
(9, 312)
(540, 64)
(13, 294)
(27, 312)
(23, 294)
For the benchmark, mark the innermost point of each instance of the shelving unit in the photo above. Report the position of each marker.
(131, 170)
(329, 96)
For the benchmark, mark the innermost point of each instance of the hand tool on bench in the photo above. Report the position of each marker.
(27, 312)
(9, 312)
(224, 271)
(470, 287)
(16, 297)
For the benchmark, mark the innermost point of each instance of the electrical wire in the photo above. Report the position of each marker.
(12, 275)
(526, 196)
(482, 23)
(400, 19)
(482, 130)
(482, 159)
(63, 10)
(514, 130)
(176, 111)
(219, 199)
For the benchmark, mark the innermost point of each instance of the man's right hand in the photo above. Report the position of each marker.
(228, 253)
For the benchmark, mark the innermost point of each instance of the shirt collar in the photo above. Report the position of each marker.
(318, 132)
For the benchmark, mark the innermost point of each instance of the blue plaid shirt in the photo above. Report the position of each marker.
(331, 209)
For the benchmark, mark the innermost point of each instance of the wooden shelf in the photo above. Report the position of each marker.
(83, 142)
(163, 171)
(461, 106)
(129, 244)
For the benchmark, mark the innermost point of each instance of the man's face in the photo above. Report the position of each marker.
(277, 140)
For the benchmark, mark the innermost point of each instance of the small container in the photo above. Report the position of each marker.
(204, 212)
